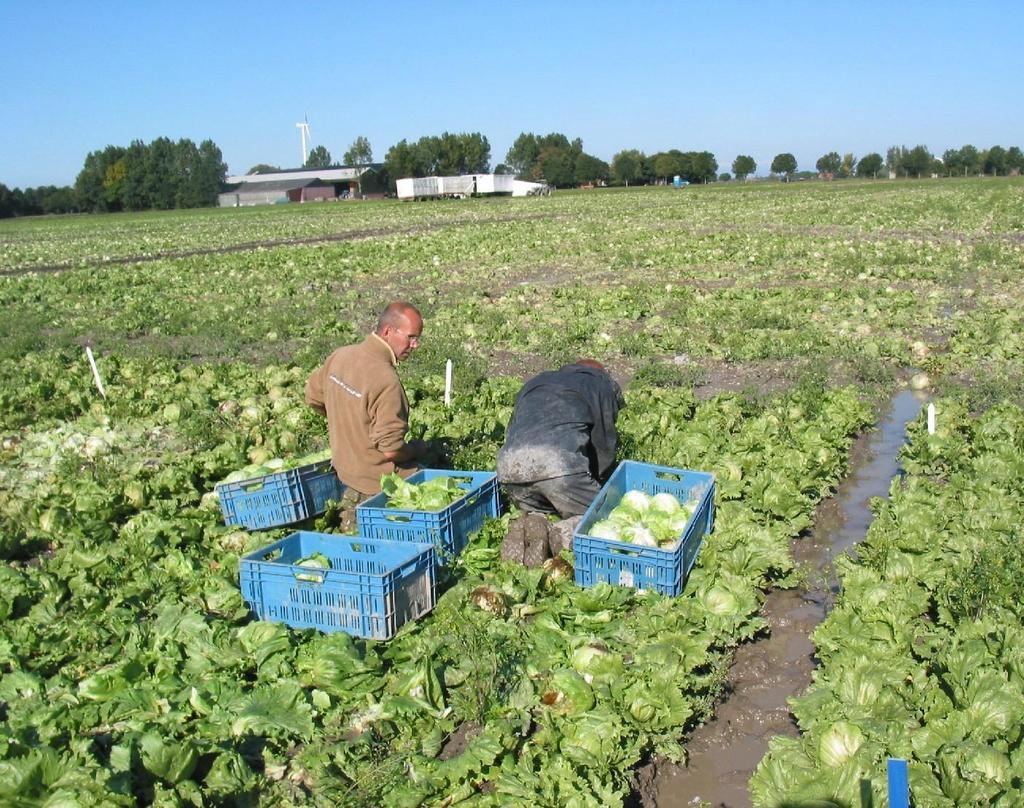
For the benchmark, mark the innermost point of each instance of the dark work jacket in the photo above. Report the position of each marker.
(563, 423)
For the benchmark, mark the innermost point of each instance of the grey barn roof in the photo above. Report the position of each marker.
(270, 187)
(324, 174)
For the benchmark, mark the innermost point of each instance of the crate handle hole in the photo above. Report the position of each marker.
(667, 475)
(399, 519)
(254, 487)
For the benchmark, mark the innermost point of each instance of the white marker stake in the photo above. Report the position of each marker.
(448, 383)
(95, 371)
(931, 419)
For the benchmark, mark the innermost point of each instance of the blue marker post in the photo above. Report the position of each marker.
(899, 788)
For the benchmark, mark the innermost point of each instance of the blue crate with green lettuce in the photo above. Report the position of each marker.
(437, 506)
(645, 527)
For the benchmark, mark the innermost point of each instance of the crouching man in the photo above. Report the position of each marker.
(560, 444)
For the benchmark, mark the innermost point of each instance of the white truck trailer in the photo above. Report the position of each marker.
(457, 186)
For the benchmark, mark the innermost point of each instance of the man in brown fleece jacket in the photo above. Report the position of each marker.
(367, 411)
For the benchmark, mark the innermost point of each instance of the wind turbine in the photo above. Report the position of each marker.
(304, 132)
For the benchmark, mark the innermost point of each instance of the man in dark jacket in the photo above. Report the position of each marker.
(561, 439)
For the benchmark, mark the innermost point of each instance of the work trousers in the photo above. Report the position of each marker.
(569, 495)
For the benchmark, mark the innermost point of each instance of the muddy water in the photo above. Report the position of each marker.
(725, 751)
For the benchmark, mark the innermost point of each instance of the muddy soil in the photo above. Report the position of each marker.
(766, 377)
(706, 377)
(724, 753)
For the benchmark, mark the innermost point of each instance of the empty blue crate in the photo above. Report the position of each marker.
(371, 589)
(280, 498)
(447, 529)
(626, 564)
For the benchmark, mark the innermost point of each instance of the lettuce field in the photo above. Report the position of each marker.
(757, 330)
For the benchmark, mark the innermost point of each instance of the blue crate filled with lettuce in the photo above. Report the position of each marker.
(279, 496)
(645, 528)
(432, 505)
(365, 587)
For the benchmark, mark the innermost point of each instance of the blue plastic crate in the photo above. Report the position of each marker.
(280, 498)
(372, 589)
(627, 564)
(447, 529)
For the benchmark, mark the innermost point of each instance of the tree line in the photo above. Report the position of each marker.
(563, 163)
(552, 158)
(900, 161)
(445, 154)
(165, 174)
(965, 161)
(160, 175)
(633, 167)
(37, 201)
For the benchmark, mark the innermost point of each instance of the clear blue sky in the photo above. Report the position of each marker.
(732, 78)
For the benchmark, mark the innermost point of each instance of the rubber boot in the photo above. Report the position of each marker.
(537, 549)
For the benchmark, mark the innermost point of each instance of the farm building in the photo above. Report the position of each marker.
(303, 185)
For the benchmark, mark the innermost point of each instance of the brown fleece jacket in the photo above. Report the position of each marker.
(359, 391)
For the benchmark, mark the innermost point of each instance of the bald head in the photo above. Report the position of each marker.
(400, 326)
(396, 314)
(590, 363)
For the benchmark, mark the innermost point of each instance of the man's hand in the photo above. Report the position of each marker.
(419, 447)
(409, 451)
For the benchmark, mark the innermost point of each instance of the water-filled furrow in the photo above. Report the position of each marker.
(724, 752)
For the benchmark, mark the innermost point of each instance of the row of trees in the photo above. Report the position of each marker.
(829, 165)
(554, 159)
(36, 201)
(633, 167)
(144, 176)
(551, 158)
(160, 175)
(916, 162)
(165, 174)
(445, 154)
(965, 161)
(832, 165)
